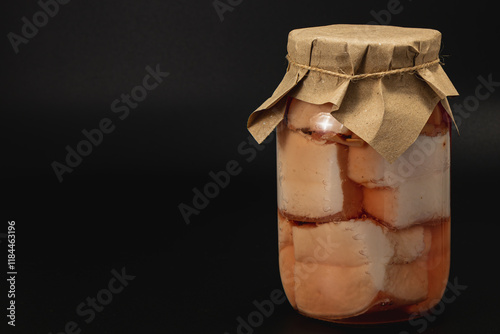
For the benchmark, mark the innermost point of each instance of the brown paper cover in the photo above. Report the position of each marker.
(386, 111)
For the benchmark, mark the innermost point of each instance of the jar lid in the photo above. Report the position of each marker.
(383, 82)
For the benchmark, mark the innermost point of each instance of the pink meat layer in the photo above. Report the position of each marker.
(341, 270)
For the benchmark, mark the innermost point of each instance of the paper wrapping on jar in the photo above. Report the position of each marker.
(387, 110)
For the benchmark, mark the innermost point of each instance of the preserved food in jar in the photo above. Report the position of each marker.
(361, 240)
(363, 172)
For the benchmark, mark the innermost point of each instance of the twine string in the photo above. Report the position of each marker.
(363, 75)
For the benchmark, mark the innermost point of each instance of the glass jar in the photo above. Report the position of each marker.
(361, 240)
(363, 171)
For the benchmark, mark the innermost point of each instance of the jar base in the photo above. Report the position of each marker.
(374, 318)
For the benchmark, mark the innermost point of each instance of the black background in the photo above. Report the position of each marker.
(119, 207)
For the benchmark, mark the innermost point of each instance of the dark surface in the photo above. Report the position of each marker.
(119, 207)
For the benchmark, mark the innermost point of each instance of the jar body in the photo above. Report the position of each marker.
(361, 240)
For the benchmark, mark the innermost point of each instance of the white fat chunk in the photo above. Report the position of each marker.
(309, 181)
(414, 201)
(407, 283)
(428, 155)
(333, 291)
(346, 244)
